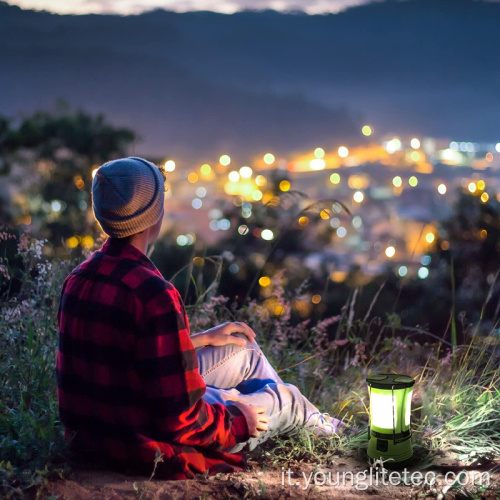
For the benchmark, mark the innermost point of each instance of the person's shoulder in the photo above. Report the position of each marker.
(148, 284)
(78, 271)
(135, 275)
(107, 269)
(87, 265)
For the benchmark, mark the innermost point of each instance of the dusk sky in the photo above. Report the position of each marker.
(225, 6)
(219, 81)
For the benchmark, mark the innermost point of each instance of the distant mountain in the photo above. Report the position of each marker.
(198, 84)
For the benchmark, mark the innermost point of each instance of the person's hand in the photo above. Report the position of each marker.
(223, 334)
(256, 417)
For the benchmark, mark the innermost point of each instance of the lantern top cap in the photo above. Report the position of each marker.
(390, 381)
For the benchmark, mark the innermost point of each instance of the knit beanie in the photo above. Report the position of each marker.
(127, 196)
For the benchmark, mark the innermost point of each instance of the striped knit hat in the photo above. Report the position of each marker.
(127, 196)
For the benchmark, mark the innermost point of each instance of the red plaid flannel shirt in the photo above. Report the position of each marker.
(127, 372)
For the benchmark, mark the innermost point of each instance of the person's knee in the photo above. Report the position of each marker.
(247, 351)
(250, 345)
(242, 336)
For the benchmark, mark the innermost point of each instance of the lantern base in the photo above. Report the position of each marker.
(387, 450)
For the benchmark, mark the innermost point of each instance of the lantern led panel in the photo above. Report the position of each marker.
(390, 407)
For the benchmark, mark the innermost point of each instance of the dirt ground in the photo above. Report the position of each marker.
(345, 480)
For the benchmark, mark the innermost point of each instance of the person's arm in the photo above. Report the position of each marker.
(223, 335)
(170, 379)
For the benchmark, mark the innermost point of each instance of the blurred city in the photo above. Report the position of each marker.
(396, 193)
(348, 213)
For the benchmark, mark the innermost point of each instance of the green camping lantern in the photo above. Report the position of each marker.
(390, 407)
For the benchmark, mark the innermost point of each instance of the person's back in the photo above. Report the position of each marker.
(128, 380)
(98, 369)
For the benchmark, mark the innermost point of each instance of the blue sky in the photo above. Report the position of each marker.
(225, 6)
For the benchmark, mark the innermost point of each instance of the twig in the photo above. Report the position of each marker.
(365, 319)
(304, 360)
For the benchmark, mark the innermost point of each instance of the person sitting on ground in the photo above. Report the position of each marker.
(134, 386)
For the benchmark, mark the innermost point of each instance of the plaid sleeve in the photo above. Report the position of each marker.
(172, 384)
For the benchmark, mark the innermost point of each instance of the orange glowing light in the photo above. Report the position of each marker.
(192, 177)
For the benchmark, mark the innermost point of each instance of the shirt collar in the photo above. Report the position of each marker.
(120, 247)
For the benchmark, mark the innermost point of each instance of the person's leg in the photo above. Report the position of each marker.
(243, 367)
(286, 408)
(243, 373)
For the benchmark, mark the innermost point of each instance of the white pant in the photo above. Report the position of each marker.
(243, 373)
